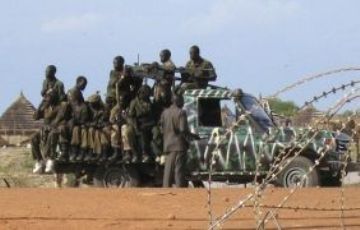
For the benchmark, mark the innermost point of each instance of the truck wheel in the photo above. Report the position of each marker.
(292, 174)
(116, 177)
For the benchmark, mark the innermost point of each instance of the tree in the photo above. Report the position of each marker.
(284, 108)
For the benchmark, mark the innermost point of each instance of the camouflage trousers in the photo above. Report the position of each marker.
(45, 142)
(79, 137)
(98, 138)
(123, 137)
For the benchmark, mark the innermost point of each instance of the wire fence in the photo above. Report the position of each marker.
(282, 160)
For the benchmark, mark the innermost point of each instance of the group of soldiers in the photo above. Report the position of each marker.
(129, 125)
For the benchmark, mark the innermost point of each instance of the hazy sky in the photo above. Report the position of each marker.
(257, 45)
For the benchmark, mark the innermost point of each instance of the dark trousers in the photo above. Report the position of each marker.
(175, 170)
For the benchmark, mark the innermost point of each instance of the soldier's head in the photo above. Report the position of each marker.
(165, 55)
(178, 100)
(50, 72)
(118, 63)
(194, 53)
(81, 82)
(145, 92)
(95, 100)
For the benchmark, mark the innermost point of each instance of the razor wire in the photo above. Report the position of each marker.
(263, 185)
(324, 94)
(313, 77)
(293, 190)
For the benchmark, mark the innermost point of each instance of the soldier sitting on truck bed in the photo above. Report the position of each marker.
(79, 121)
(99, 131)
(142, 121)
(197, 72)
(122, 136)
(53, 132)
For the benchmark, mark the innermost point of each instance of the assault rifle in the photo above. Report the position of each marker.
(156, 72)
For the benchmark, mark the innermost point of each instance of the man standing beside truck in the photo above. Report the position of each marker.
(176, 134)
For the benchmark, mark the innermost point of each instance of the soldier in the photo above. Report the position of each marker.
(115, 75)
(176, 134)
(121, 138)
(142, 121)
(163, 82)
(99, 132)
(54, 132)
(51, 82)
(198, 71)
(79, 120)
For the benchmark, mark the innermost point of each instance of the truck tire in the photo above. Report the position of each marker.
(117, 177)
(292, 174)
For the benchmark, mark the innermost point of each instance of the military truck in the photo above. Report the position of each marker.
(237, 139)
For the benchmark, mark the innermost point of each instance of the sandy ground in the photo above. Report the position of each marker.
(166, 209)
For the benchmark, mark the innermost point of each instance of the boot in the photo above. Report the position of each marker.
(103, 155)
(88, 156)
(115, 155)
(81, 155)
(146, 158)
(73, 153)
(38, 167)
(135, 158)
(49, 166)
(64, 153)
(95, 157)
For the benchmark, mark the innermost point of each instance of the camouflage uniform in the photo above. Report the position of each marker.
(99, 134)
(123, 84)
(162, 87)
(56, 85)
(115, 76)
(78, 124)
(142, 121)
(199, 74)
(54, 131)
(122, 136)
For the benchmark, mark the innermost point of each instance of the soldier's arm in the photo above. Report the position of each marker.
(61, 91)
(209, 68)
(44, 88)
(109, 86)
(84, 115)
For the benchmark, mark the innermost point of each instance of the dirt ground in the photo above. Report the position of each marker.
(167, 209)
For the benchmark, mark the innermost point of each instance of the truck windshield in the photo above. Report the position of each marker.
(257, 112)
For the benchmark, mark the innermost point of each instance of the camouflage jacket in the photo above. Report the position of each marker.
(115, 76)
(98, 118)
(54, 115)
(141, 113)
(56, 85)
(203, 72)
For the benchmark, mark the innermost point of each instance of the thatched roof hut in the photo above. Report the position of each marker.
(18, 118)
